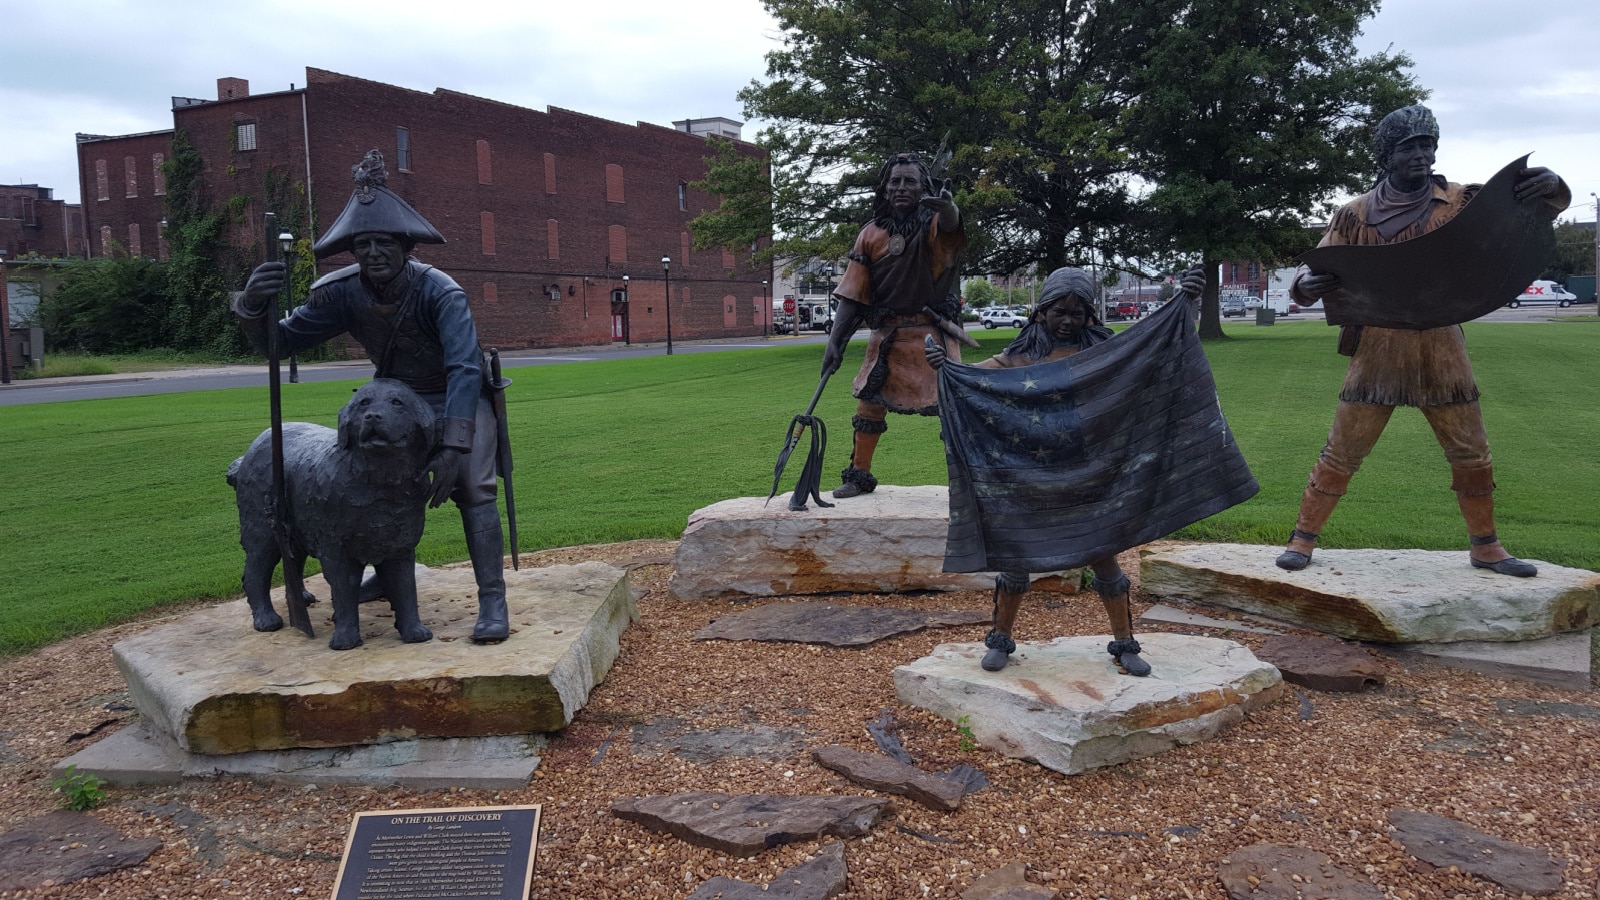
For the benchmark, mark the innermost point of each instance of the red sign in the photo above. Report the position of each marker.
(788, 304)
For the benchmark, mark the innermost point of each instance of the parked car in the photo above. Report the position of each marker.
(1544, 291)
(1001, 317)
(1232, 306)
(1127, 309)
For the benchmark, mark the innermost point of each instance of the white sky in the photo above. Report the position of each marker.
(1506, 77)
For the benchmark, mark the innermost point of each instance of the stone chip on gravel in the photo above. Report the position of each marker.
(64, 846)
(1322, 664)
(880, 773)
(1446, 842)
(818, 878)
(1290, 873)
(746, 825)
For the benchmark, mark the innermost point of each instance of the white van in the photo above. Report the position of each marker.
(1544, 291)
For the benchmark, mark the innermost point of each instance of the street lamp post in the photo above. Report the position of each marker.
(666, 276)
(627, 312)
(766, 311)
(1596, 198)
(828, 297)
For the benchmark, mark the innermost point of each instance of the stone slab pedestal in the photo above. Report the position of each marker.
(137, 755)
(888, 541)
(1063, 704)
(216, 686)
(1392, 596)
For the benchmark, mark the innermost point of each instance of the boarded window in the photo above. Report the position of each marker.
(619, 244)
(549, 173)
(245, 136)
(613, 183)
(162, 250)
(491, 294)
(135, 248)
(105, 240)
(486, 221)
(102, 181)
(130, 175)
(485, 175)
(402, 148)
(158, 178)
(553, 237)
(727, 258)
(730, 311)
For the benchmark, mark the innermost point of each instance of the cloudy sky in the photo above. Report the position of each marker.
(1506, 77)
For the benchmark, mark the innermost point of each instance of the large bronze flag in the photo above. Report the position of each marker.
(1056, 465)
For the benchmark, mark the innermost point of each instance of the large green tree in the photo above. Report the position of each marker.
(1082, 131)
(1248, 118)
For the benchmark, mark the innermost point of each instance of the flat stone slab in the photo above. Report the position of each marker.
(880, 773)
(1170, 615)
(217, 686)
(1564, 660)
(832, 625)
(888, 541)
(1322, 664)
(1446, 842)
(137, 755)
(1275, 872)
(746, 825)
(818, 878)
(1394, 596)
(1063, 704)
(61, 847)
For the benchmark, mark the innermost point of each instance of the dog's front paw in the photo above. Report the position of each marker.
(414, 634)
(345, 639)
(267, 620)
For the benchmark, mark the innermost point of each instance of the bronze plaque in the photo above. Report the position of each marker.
(464, 853)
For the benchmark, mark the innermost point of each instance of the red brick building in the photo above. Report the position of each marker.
(32, 221)
(544, 212)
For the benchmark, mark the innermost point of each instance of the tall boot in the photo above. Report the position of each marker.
(486, 546)
(1112, 586)
(1322, 494)
(1474, 489)
(857, 476)
(1009, 588)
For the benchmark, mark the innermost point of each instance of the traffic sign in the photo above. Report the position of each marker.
(788, 304)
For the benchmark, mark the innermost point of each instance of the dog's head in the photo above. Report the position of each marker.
(386, 416)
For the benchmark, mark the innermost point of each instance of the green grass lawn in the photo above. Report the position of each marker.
(114, 506)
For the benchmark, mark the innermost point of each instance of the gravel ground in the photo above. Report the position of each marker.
(1314, 770)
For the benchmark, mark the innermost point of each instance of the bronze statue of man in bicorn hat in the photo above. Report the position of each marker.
(414, 322)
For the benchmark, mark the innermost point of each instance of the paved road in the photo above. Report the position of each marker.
(98, 387)
(95, 387)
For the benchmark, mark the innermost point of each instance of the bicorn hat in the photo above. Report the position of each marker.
(373, 207)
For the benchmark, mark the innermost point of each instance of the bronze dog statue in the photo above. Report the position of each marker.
(357, 497)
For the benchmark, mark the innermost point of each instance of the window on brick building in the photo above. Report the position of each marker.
(619, 244)
(105, 240)
(485, 174)
(158, 178)
(244, 134)
(549, 173)
(130, 175)
(683, 196)
(102, 181)
(491, 294)
(728, 261)
(402, 148)
(162, 250)
(486, 221)
(134, 247)
(553, 236)
(613, 183)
